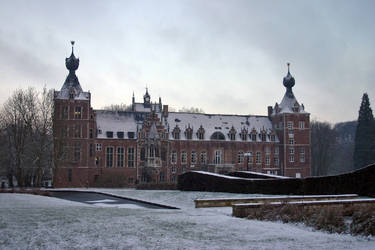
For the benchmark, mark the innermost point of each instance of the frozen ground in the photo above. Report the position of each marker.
(36, 222)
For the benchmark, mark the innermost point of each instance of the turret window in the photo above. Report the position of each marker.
(290, 125)
(78, 112)
(302, 155)
(65, 112)
(301, 124)
(258, 158)
(174, 157)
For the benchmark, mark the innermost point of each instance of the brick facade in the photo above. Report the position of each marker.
(157, 146)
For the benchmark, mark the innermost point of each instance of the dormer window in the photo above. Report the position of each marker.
(120, 135)
(273, 137)
(109, 134)
(189, 133)
(243, 134)
(263, 136)
(200, 133)
(232, 134)
(253, 135)
(296, 107)
(176, 133)
(71, 93)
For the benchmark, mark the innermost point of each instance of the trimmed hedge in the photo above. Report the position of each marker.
(361, 182)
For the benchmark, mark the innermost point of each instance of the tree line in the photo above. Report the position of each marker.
(26, 137)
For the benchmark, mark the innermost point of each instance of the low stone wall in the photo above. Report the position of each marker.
(361, 182)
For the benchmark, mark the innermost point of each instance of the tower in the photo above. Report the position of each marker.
(292, 125)
(73, 129)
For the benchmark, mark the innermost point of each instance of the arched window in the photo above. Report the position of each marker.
(217, 136)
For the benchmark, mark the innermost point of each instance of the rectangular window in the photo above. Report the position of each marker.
(258, 158)
(173, 169)
(97, 161)
(268, 150)
(78, 112)
(77, 151)
(91, 150)
(276, 161)
(174, 157)
(130, 157)
(291, 151)
(302, 155)
(218, 155)
(276, 150)
(268, 160)
(64, 131)
(291, 158)
(193, 157)
(109, 157)
(290, 125)
(98, 147)
(203, 157)
(301, 124)
(120, 157)
(273, 138)
(250, 157)
(65, 112)
(91, 133)
(70, 175)
(291, 141)
(183, 157)
(77, 131)
(240, 157)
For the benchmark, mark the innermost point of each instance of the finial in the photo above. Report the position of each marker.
(288, 66)
(72, 42)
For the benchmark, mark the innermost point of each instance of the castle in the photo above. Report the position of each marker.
(149, 144)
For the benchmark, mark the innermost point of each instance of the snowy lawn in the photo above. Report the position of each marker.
(36, 222)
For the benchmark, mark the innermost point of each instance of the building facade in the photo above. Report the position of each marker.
(149, 144)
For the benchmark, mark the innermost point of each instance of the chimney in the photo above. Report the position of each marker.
(165, 110)
(270, 111)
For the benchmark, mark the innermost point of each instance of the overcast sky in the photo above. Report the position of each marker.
(222, 56)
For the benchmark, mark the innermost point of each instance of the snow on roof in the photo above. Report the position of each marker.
(267, 175)
(64, 94)
(115, 121)
(287, 104)
(217, 123)
(220, 175)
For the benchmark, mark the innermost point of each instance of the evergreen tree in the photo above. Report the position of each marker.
(364, 153)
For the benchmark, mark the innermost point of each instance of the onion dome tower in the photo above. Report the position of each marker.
(71, 87)
(289, 83)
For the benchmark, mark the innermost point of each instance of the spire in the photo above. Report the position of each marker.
(146, 97)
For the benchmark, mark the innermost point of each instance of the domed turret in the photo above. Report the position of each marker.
(72, 62)
(289, 82)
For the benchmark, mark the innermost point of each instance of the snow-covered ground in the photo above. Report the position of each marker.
(36, 222)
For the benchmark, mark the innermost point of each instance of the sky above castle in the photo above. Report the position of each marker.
(221, 56)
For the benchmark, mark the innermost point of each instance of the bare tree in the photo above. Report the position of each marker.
(26, 124)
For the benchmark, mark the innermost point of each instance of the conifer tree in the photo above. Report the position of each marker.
(364, 153)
